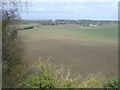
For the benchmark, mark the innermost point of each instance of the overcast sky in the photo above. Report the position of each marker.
(71, 10)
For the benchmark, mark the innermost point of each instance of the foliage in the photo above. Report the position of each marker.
(114, 83)
(92, 81)
(41, 80)
(49, 76)
(45, 78)
(70, 83)
(12, 44)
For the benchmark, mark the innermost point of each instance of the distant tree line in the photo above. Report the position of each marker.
(67, 21)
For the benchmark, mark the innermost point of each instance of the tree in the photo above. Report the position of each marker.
(12, 44)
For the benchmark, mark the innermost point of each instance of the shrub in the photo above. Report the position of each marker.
(69, 83)
(92, 81)
(12, 44)
(49, 76)
(114, 83)
(41, 80)
(45, 78)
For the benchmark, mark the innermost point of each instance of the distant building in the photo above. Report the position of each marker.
(93, 25)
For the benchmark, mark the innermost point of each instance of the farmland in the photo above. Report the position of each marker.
(82, 48)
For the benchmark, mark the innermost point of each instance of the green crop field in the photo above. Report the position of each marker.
(84, 49)
(104, 32)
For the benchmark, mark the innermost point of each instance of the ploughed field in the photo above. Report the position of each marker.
(84, 49)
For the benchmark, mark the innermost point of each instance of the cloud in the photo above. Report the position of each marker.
(72, 10)
(71, 0)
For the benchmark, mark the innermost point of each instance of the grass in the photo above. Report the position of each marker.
(64, 43)
(84, 49)
(104, 32)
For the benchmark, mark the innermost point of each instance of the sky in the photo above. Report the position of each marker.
(70, 10)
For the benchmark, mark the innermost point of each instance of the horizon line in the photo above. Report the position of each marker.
(71, 19)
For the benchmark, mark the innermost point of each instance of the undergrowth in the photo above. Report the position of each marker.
(51, 76)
